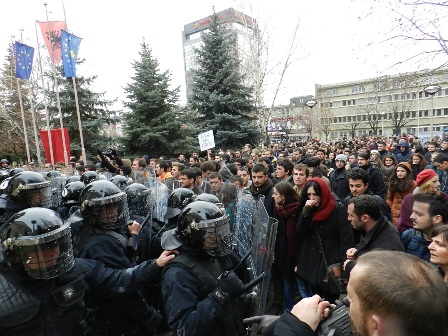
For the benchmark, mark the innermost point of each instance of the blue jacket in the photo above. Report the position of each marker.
(415, 244)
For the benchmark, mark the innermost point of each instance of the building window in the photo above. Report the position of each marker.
(437, 129)
(446, 92)
(358, 89)
(425, 113)
(420, 94)
(445, 111)
(344, 119)
(344, 103)
(438, 112)
(335, 120)
(364, 118)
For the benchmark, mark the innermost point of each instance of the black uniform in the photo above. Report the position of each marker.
(187, 284)
(56, 306)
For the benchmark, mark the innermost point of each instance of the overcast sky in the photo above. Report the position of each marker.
(336, 46)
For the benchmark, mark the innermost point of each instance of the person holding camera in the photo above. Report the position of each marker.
(389, 292)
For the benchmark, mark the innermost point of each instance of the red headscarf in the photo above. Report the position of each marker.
(327, 202)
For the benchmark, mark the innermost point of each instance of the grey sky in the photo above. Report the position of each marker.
(334, 43)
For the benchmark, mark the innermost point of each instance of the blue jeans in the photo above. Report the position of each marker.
(291, 283)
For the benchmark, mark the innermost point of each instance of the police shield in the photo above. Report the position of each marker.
(57, 186)
(255, 231)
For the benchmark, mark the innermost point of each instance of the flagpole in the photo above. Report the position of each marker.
(30, 99)
(45, 98)
(75, 90)
(23, 113)
(57, 93)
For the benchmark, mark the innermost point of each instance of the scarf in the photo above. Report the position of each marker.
(261, 190)
(327, 202)
(289, 214)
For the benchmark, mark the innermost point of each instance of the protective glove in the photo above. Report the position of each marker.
(263, 322)
(231, 285)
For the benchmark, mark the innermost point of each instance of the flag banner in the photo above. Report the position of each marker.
(206, 140)
(56, 141)
(23, 55)
(70, 47)
(51, 31)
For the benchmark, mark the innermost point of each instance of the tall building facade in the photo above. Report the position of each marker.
(244, 27)
(389, 105)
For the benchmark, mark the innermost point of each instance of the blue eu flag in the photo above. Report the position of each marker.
(24, 60)
(70, 47)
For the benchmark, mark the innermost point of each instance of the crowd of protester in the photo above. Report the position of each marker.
(334, 201)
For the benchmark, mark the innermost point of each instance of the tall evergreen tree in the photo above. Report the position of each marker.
(154, 124)
(221, 100)
(96, 112)
(11, 122)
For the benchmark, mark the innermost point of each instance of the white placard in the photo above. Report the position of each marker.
(206, 140)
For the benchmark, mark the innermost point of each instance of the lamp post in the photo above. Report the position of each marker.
(432, 90)
(311, 104)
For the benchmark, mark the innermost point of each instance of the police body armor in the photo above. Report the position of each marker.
(59, 312)
(206, 273)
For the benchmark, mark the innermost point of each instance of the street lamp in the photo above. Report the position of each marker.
(432, 90)
(311, 104)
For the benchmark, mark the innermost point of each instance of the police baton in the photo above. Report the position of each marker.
(253, 283)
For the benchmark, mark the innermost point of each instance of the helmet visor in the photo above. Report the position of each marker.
(112, 212)
(39, 195)
(217, 237)
(48, 255)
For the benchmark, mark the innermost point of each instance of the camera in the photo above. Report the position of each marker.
(111, 153)
(338, 323)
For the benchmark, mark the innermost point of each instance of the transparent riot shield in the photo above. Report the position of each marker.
(255, 232)
(172, 184)
(158, 200)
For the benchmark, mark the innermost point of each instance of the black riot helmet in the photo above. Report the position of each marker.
(104, 204)
(178, 199)
(74, 178)
(15, 171)
(30, 189)
(138, 198)
(72, 193)
(202, 225)
(52, 174)
(120, 181)
(89, 176)
(207, 198)
(37, 241)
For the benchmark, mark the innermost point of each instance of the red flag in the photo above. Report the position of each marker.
(51, 32)
(56, 140)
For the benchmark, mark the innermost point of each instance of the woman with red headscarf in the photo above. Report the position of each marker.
(322, 225)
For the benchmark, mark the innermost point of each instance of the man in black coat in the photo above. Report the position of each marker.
(339, 179)
(376, 231)
(376, 178)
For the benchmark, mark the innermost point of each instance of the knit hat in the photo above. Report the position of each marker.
(341, 157)
(225, 173)
(424, 176)
(406, 166)
(374, 151)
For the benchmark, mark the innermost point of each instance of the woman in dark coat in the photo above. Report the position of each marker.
(322, 225)
(286, 207)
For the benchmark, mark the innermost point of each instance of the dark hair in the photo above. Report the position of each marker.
(308, 184)
(440, 158)
(287, 165)
(198, 171)
(189, 173)
(413, 282)
(359, 174)
(232, 168)
(126, 169)
(180, 166)
(312, 162)
(366, 205)
(259, 168)
(438, 206)
(286, 189)
(215, 175)
(208, 165)
(163, 164)
(236, 178)
(228, 193)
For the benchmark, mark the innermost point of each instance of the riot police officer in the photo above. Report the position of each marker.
(43, 287)
(198, 298)
(106, 233)
(24, 190)
(178, 199)
(4, 169)
(71, 195)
